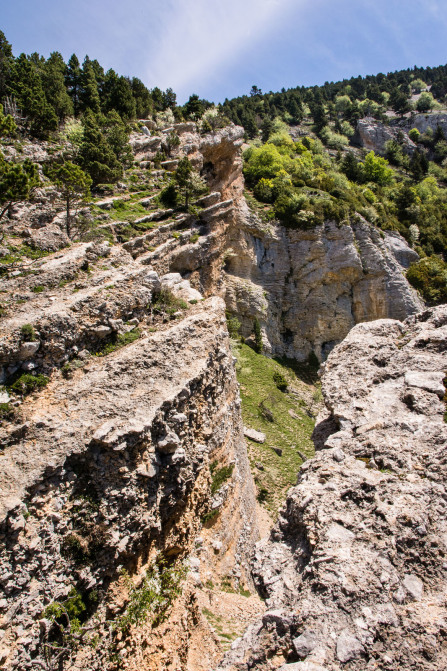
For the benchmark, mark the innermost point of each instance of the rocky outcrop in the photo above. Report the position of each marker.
(354, 573)
(373, 135)
(423, 122)
(309, 288)
(113, 465)
(117, 458)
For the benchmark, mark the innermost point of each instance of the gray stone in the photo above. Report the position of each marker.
(399, 248)
(49, 239)
(414, 586)
(348, 647)
(101, 331)
(303, 666)
(305, 643)
(338, 455)
(28, 349)
(256, 436)
(169, 443)
(430, 381)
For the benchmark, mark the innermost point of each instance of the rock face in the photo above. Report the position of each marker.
(113, 465)
(354, 573)
(309, 288)
(373, 135)
(425, 121)
(114, 460)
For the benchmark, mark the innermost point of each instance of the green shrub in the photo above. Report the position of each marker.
(233, 325)
(6, 411)
(219, 476)
(166, 303)
(280, 380)
(264, 190)
(258, 336)
(119, 341)
(429, 276)
(414, 135)
(28, 333)
(262, 495)
(27, 383)
(210, 516)
(155, 594)
(169, 196)
(38, 289)
(73, 607)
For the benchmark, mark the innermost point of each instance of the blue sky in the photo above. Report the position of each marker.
(220, 48)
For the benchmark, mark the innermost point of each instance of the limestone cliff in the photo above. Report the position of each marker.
(354, 571)
(309, 288)
(373, 135)
(112, 466)
(134, 448)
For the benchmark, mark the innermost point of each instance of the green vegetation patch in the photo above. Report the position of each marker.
(154, 596)
(119, 341)
(166, 303)
(219, 476)
(429, 276)
(283, 417)
(27, 383)
(28, 333)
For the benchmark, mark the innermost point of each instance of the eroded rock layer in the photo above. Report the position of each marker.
(309, 288)
(111, 466)
(354, 573)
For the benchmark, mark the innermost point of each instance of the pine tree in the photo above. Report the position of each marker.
(96, 156)
(6, 64)
(73, 81)
(53, 83)
(88, 94)
(74, 185)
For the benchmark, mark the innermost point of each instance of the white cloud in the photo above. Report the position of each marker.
(199, 37)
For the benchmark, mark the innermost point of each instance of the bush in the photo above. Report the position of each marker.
(280, 380)
(429, 276)
(169, 196)
(262, 162)
(27, 383)
(220, 476)
(414, 135)
(233, 325)
(425, 102)
(376, 170)
(264, 190)
(258, 336)
(151, 600)
(167, 304)
(28, 333)
(262, 495)
(119, 341)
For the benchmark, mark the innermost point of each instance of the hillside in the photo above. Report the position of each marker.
(195, 314)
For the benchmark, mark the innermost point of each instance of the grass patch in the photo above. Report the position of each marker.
(119, 341)
(28, 333)
(17, 254)
(167, 304)
(219, 476)
(209, 517)
(268, 409)
(27, 383)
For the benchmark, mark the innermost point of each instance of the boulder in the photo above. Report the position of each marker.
(49, 238)
(256, 436)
